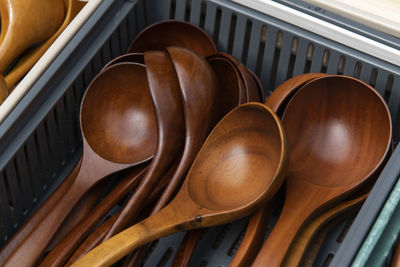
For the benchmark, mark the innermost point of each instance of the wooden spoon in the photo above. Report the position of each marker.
(260, 87)
(165, 90)
(3, 89)
(26, 22)
(279, 98)
(163, 34)
(130, 57)
(333, 124)
(29, 59)
(123, 136)
(204, 104)
(65, 247)
(246, 148)
(303, 240)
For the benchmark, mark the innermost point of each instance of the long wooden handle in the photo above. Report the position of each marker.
(187, 248)
(161, 224)
(98, 235)
(64, 249)
(38, 216)
(34, 245)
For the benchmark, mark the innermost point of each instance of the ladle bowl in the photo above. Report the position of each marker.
(339, 131)
(246, 148)
(161, 35)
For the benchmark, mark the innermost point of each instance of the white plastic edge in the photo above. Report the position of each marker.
(51, 53)
(325, 29)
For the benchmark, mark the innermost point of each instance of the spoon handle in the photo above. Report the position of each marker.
(298, 209)
(38, 216)
(168, 221)
(34, 245)
(187, 248)
(63, 250)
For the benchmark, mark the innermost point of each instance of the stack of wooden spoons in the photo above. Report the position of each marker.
(183, 133)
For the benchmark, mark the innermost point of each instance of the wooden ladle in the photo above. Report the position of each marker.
(118, 130)
(130, 57)
(3, 89)
(247, 148)
(32, 55)
(26, 22)
(166, 33)
(339, 131)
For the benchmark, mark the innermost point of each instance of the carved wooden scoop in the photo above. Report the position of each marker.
(26, 22)
(339, 130)
(161, 35)
(246, 148)
(118, 129)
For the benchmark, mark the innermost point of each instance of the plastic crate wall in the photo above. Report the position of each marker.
(41, 146)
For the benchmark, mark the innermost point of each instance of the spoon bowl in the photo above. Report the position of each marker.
(251, 134)
(117, 114)
(161, 35)
(339, 131)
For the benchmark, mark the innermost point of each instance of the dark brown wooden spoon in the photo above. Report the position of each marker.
(333, 123)
(204, 104)
(118, 129)
(163, 34)
(260, 87)
(130, 57)
(246, 148)
(65, 247)
(165, 91)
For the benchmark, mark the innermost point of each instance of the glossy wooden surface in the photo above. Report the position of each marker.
(26, 22)
(260, 87)
(201, 111)
(99, 233)
(187, 247)
(165, 91)
(247, 144)
(333, 123)
(3, 89)
(65, 247)
(281, 95)
(302, 241)
(163, 34)
(130, 57)
(111, 142)
(32, 55)
(38, 216)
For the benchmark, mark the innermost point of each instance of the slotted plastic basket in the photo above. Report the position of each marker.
(40, 141)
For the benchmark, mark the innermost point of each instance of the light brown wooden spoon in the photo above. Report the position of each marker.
(165, 91)
(26, 22)
(3, 89)
(130, 57)
(246, 148)
(30, 57)
(118, 129)
(333, 123)
(163, 34)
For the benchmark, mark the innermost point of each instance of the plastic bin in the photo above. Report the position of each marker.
(40, 139)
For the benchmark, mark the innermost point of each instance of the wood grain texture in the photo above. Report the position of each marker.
(305, 237)
(32, 55)
(246, 145)
(65, 247)
(165, 91)
(199, 90)
(163, 34)
(111, 142)
(99, 233)
(333, 123)
(39, 215)
(281, 95)
(24, 23)
(3, 89)
(130, 57)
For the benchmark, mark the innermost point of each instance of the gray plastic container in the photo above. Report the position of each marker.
(40, 140)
